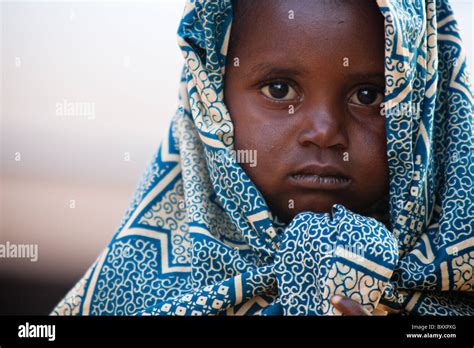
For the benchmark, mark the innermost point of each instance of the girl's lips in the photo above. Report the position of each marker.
(320, 182)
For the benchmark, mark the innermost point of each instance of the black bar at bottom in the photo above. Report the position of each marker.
(432, 331)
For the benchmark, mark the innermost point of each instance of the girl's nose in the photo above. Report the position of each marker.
(324, 129)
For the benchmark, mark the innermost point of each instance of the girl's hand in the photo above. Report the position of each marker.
(347, 306)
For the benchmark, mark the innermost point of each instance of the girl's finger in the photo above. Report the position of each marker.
(347, 306)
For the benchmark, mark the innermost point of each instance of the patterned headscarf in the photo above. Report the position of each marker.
(199, 239)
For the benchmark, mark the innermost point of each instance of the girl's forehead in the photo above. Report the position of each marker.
(324, 12)
(310, 19)
(308, 31)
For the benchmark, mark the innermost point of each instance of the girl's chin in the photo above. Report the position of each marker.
(378, 210)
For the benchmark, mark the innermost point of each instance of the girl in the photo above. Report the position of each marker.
(360, 198)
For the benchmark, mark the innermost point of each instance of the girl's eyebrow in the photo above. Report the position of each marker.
(366, 76)
(272, 69)
(266, 69)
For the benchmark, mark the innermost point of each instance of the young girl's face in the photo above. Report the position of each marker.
(306, 94)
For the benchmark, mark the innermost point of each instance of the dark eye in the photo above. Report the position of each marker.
(279, 91)
(367, 96)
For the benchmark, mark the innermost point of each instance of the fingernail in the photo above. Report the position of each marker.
(336, 299)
